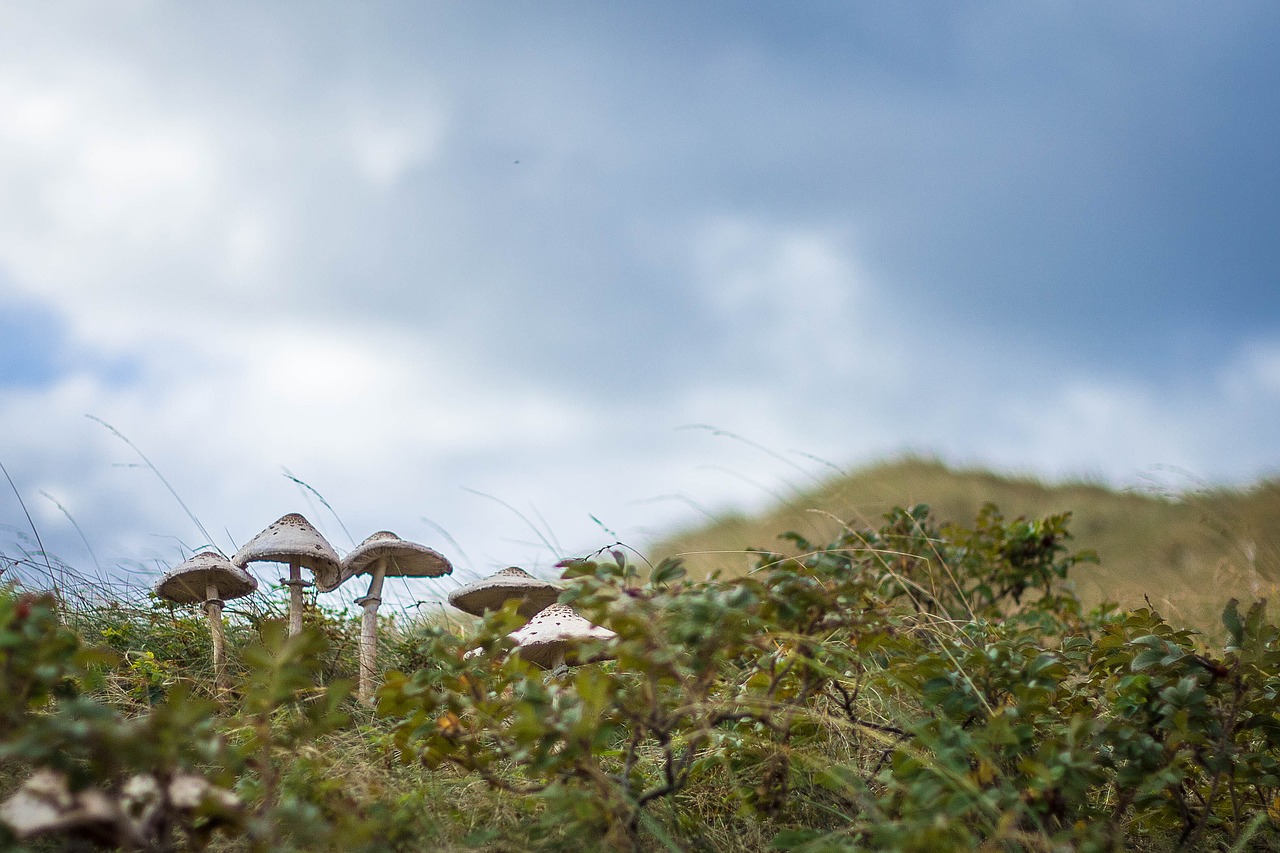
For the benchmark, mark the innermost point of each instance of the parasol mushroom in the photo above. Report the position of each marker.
(384, 555)
(210, 579)
(550, 639)
(293, 540)
(492, 592)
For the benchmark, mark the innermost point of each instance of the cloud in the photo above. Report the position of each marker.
(1096, 428)
(1253, 376)
(791, 302)
(130, 210)
(790, 278)
(253, 242)
(1126, 431)
(386, 148)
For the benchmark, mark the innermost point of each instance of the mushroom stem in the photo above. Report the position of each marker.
(369, 631)
(295, 597)
(213, 609)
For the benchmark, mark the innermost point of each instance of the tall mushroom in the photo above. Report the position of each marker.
(210, 579)
(492, 592)
(551, 639)
(384, 555)
(293, 540)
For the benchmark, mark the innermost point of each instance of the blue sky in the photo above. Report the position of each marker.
(439, 258)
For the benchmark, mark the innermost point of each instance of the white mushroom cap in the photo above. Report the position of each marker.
(188, 582)
(45, 804)
(141, 798)
(404, 559)
(293, 538)
(492, 592)
(551, 636)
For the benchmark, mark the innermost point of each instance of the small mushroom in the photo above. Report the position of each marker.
(210, 579)
(133, 817)
(492, 592)
(293, 540)
(384, 555)
(550, 639)
(45, 804)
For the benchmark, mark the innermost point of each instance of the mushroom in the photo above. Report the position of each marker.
(383, 555)
(211, 579)
(45, 804)
(550, 638)
(132, 818)
(293, 540)
(492, 592)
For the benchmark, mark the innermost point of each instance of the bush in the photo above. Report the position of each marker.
(903, 688)
(909, 687)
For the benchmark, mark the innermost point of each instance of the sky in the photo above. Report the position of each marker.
(520, 280)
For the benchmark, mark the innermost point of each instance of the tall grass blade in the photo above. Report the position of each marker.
(156, 471)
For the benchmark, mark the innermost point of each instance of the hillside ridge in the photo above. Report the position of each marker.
(1188, 553)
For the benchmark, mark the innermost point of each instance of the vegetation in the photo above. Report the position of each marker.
(903, 685)
(1188, 552)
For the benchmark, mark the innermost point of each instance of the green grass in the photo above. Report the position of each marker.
(1188, 553)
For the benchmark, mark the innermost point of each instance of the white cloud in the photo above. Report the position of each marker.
(129, 210)
(1090, 427)
(794, 274)
(1126, 431)
(385, 150)
(795, 301)
(36, 118)
(368, 415)
(1254, 373)
(331, 264)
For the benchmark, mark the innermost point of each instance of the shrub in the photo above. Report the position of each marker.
(908, 687)
(901, 688)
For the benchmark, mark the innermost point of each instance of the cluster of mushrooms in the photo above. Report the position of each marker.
(551, 639)
(548, 640)
(554, 631)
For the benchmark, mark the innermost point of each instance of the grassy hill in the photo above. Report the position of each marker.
(1188, 553)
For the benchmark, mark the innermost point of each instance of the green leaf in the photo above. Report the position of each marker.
(667, 571)
(1231, 619)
